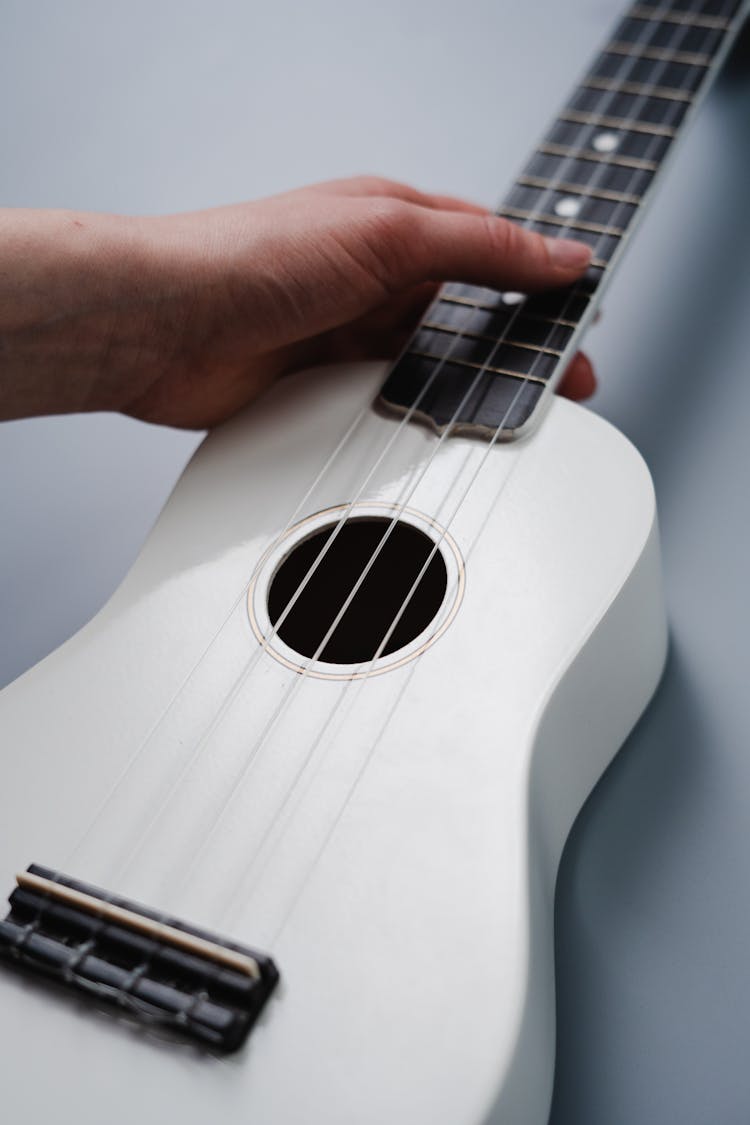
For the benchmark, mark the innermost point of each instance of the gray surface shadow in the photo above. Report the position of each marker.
(647, 797)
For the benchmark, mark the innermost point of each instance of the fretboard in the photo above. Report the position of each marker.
(484, 361)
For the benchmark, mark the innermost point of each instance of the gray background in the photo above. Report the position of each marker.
(160, 106)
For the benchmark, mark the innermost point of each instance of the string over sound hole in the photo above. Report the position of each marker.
(378, 602)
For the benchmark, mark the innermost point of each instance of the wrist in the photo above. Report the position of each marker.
(77, 298)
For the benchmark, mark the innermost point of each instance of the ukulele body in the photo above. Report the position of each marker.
(391, 840)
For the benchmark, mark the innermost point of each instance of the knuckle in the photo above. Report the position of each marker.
(501, 235)
(388, 213)
(390, 221)
(392, 235)
(515, 243)
(376, 184)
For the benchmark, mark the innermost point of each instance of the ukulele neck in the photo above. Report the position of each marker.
(485, 362)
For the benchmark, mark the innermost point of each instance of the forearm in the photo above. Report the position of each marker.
(79, 312)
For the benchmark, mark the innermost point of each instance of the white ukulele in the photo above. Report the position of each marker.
(302, 787)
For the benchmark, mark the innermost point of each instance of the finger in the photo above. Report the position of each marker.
(409, 244)
(579, 381)
(380, 186)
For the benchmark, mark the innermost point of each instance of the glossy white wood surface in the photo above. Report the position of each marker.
(392, 842)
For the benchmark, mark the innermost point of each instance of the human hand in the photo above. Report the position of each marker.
(184, 319)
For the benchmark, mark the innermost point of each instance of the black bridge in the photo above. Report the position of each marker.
(158, 969)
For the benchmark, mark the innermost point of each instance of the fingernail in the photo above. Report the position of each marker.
(568, 255)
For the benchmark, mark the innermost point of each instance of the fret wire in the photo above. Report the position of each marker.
(553, 220)
(690, 19)
(668, 93)
(581, 118)
(660, 54)
(481, 367)
(451, 300)
(578, 189)
(496, 308)
(549, 148)
(434, 326)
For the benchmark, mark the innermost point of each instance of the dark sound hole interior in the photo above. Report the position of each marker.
(378, 600)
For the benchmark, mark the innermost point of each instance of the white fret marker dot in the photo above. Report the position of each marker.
(511, 298)
(606, 142)
(568, 207)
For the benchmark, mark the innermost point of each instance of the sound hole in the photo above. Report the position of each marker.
(378, 601)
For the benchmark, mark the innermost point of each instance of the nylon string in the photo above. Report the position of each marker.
(240, 900)
(538, 213)
(296, 685)
(291, 692)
